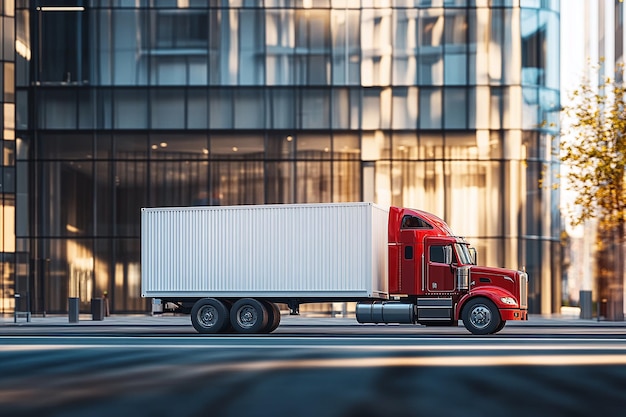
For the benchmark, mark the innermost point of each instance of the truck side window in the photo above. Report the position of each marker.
(408, 252)
(412, 222)
(437, 254)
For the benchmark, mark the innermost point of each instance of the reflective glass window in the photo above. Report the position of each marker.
(376, 47)
(431, 107)
(280, 46)
(130, 108)
(455, 108)
(167, 108)
(346, 47)
(314, 109)
(455, 47)
(197, 108)
(405, 46)
(313, 47)
(57, 109)
(281, 108)
(221, 113)
(251, 48)
(249, 108)
(404, 108)
(430, 43)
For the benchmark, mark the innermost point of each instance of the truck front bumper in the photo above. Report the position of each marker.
(513, 314)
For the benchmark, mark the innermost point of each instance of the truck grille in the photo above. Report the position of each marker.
(523, 290)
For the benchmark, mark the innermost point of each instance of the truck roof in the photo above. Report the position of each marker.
(396, 214)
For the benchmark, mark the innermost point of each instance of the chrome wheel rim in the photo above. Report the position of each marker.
(480, 316)
(207, 316)
(247, 316)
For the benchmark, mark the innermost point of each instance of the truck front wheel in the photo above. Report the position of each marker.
(481, 316)
(209, 315)
(248, 316)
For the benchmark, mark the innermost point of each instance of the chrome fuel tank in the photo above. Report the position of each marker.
(385, 312)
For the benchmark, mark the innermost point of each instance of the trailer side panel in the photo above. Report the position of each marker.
(291, 250)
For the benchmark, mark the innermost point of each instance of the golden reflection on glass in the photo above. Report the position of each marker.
(8, 227)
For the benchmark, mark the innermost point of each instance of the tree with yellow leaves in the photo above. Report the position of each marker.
(593, 148)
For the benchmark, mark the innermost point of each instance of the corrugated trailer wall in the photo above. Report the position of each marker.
(301, 250)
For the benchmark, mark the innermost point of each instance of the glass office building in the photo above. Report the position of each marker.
(444, 105)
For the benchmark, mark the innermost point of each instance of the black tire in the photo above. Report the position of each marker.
(209, 315)
(273, 319)
(248, 316)
(481, 316)
(500, 327)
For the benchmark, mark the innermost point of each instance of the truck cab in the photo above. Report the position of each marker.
(436, 270)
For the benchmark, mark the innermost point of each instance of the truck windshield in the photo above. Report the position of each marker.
(463, 254)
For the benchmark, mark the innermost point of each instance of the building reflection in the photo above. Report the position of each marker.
(447, 106)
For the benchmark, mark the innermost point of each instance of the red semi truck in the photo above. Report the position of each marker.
(229, 267)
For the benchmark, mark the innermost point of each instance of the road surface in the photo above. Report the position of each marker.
(318, 370)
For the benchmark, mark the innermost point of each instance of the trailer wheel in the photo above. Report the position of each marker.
(273, 319)
(248, 316)
(209, 315)
(481, 316)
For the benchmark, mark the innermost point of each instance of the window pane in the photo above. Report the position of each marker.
(313, 147)
(455, 108)
(455, 58)
(280, 44)
(221, 109)
(405, 47)
(315, 109)
(57, 109)
(66, 146)
(431, 108)
(251, 48)
(346, 46)
(430, 42)
(131, 109)
(404, 106)
(128, 30)
(314, 182)
(405, 146)
(249, 109)
(280, 180)
(168, 109)
(376, 47)
(281, 111)
(197, 109)
(239, 147)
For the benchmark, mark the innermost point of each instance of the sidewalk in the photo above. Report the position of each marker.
(168, 319)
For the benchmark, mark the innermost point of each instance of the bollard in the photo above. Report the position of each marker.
(97, 309)
(73, 310)
(586, 306)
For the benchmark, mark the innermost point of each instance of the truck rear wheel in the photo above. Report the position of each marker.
(273, 320)
(248, 316)
(209, 315)
(481, 316)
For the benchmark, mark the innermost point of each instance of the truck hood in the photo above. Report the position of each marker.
(500, 277)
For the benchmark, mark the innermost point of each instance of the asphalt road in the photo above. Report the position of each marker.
(318, 370)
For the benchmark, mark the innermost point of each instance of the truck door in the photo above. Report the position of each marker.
(412, 229)
(440, 274)
(408, 253)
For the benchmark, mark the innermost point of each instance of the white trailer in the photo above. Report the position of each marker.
(229, 266)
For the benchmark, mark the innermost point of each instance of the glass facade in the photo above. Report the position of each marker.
(443, 105)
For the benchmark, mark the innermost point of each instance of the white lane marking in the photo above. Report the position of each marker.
(390, 347)
(271, 339)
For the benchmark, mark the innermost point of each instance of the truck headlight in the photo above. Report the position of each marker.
(508, 300)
